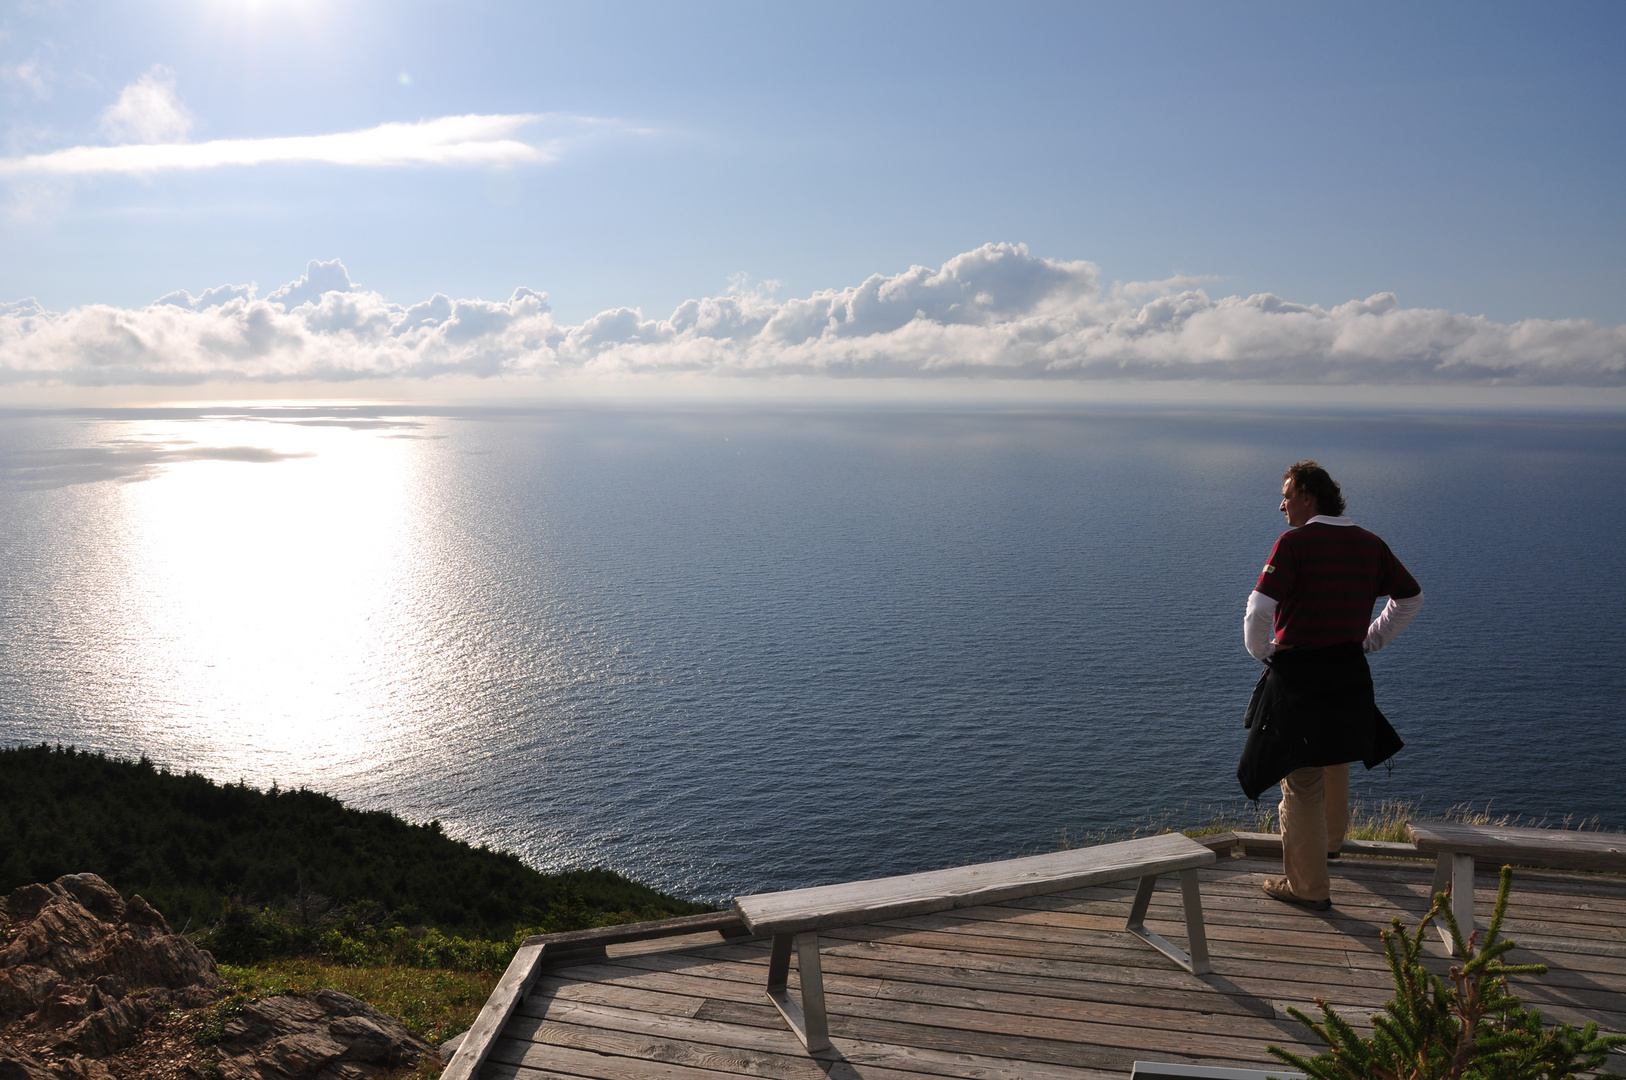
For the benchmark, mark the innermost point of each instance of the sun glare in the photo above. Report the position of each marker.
(271, 589)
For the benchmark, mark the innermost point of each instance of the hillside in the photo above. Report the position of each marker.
(190, 846)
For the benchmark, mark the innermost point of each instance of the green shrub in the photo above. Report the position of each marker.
(214, 1025)
(271, 870)
(1466, 1027)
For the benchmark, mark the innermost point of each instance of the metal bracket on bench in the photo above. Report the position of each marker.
(1457, 870)
(1197, 962)
(809, 1021)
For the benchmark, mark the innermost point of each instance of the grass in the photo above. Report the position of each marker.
(1467, 815)
(434, 1004)
(1385, 820)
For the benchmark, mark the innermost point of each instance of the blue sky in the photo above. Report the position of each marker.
(1466, 158)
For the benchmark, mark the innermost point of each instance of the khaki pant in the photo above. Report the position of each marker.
(1314, 817)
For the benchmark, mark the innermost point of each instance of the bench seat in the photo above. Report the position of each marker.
(1157, 1070)
(1457, 846)
(794, 918)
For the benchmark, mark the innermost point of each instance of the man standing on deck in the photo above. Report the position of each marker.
(1316, 594)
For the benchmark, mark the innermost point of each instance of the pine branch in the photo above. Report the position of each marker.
(1466, 1026)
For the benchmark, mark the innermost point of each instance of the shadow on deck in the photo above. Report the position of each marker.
(1049, 987)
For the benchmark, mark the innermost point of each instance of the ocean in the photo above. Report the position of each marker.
(723, 650)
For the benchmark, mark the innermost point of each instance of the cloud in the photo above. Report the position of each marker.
(125, 461)
(997, 312)
(220, 294)
(449, 140)
(148, 111)
(320, 279)
(32, 74)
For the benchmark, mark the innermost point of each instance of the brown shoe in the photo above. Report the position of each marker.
(1279, 889)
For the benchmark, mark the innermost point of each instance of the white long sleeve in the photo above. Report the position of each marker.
(1259, 625)
(1394, 617)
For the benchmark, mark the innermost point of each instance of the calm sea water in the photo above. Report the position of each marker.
(723, 651)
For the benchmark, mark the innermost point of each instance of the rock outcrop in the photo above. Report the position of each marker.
(76, 944)
(68, 951)
(16, 1064)
(324, 1035)
(71, 953)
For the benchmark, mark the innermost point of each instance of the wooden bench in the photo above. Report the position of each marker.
(794, 918)
(1157, 1070)
(1458, 845)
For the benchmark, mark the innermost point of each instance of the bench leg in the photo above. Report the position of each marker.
(1197, 962)
(1195, 930)
(1462, 892)
(809, 1020)
(1442, 875)
(1442, 878)
(1457, 870)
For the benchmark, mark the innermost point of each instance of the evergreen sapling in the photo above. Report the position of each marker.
(1467, 1026)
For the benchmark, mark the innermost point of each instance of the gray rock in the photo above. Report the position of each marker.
(323, 1035)
(76, 945)
(95, 896)
(364, 1038)
(25, 901)
(16, 1065)
(303, 1053)
(79, 1068)
(107, 1030)
(76, 932)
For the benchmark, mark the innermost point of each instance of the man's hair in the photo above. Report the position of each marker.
(1308, 478)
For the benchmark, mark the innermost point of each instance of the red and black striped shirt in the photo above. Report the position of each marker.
(1325, 578)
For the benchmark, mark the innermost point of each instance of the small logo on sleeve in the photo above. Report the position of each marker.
(1269, 569)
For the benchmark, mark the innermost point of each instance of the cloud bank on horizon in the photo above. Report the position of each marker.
(997, 312)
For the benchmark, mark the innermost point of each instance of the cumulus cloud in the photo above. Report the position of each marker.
(320, 279)
(220, 294)
(996, 312)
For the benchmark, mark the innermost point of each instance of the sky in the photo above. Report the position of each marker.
(352, 199)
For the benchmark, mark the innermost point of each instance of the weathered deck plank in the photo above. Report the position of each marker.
(1256, 926)
(1049, 987)
(1008, 1010)
(1223, 893)
(1247, 951)
(1243, 959)
(777, 1039)
(900, 967)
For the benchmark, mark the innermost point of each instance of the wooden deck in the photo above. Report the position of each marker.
(1050, 987)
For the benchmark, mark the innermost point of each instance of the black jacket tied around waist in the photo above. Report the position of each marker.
(1313, 707)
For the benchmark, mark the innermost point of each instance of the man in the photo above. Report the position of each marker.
(1307, 619)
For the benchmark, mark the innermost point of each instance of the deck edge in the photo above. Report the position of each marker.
(494, 1015)
(727, 923)
(523, 969)
(1270, 844)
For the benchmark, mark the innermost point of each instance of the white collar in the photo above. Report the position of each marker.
(1326, 519)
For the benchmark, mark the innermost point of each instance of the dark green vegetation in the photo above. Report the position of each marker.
(266, 873)
(1465, 1027)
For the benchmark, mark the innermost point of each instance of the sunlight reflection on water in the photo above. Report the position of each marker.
(275, 603)
(267, 611)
